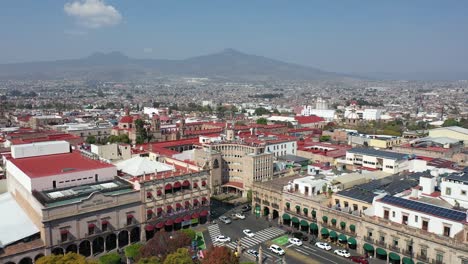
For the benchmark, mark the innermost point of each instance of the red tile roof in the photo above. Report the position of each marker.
(308, 119)
(238, 185)
(126, 119)
(49, 165)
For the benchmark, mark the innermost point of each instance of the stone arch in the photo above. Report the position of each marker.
(85, 248)
(123, 238)
(266, 211)
(98, 245)
(38, 256)
(275, 214)
(135, 235)
(215, 164)
(26, 260)
(111, 242)
(57, 251)
(71, 248)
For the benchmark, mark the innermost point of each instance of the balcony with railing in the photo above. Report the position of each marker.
(417, 232)
(422, 257)
(394, 248)
(369, 239)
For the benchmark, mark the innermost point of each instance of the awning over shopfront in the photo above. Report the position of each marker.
(381, 251)
(368, 248)
(407, 261)
(313, 226)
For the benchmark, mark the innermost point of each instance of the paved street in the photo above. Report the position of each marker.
(265, 232)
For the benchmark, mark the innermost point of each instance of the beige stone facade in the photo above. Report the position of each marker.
(240, 165)
(368, 235)
(89, 225)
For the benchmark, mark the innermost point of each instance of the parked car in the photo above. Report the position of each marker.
(342, 253)
(239, 216)
(248, 232)
(222, 239)
(225, 219)
(323, 245)
(276, 249)
(295, 241)
(300, 236)
(246, 208)
(359, 259)
(252, 252)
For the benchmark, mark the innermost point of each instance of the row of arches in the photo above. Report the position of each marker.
(101, 244)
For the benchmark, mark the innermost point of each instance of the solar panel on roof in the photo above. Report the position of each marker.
(425, 208)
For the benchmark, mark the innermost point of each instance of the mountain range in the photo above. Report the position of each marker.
(227, 64)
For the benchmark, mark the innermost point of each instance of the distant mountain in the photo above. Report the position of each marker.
(227, 64)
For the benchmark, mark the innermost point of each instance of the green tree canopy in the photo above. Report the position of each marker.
(261, 111)
(150, 260)
(69, 258)
(91, 140)
(181, 256)
(190, 233)
(133, 251)
(220, 255)
(262, 121)
(111, 258)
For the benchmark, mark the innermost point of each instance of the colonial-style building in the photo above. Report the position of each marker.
(400, 228)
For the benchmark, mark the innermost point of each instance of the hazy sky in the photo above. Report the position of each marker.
(343, 36)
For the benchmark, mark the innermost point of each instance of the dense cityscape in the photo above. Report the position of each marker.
(227, 158)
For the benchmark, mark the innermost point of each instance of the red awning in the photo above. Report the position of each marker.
(195, 216)
(91, 225)
(149, 211)
(203, 183)
(159, 225)
(195, 185)
(204, 213)
(63, 231)
(186, 183)
(178, 220)
(149, 228)
(129, 216)
(178, 205)
(159, 192)
(169, 207)
(187, 203)
(187, 217)
(159, 209)
(168, 187)
(177, 185)
(204, 199)
(104, 222)
(169, 222)
(195, 201)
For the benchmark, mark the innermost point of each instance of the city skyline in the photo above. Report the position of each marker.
(341, 37)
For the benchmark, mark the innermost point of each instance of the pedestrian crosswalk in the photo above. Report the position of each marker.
(214, 231)
(260, 237)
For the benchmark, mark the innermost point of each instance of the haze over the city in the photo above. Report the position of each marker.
(347, 37)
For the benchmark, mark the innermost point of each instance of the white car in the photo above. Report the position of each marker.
(222, 239)
(276, 249)
(295, 241)
(342, 253)
(252, 252)
(239, 216)
(225, 219)
(248, 232)
(323, 245)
